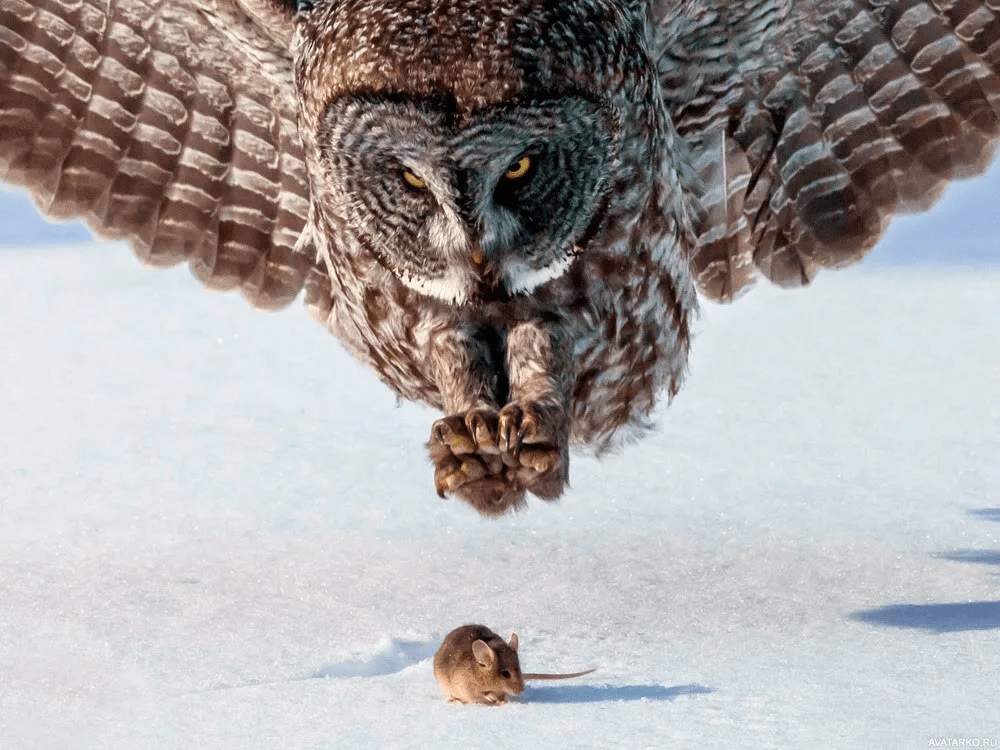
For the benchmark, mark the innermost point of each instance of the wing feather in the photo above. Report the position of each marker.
(835, 116)
(167, 123)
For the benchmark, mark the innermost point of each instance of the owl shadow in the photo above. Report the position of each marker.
(985, 514)
(945, 617)
(936, 618)
(609, 693)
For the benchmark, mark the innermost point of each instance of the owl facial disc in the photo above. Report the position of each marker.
(461, 207)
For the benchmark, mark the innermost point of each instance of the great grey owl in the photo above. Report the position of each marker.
(505, 207)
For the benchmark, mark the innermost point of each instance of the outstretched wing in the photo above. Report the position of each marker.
(814, 121)
(167, 123)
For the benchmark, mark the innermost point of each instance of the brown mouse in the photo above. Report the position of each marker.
(475, 665)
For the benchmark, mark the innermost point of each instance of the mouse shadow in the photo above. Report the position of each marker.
(610, 693)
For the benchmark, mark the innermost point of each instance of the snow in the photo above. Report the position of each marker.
(218, 531)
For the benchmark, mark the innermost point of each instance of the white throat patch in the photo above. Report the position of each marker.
(519, 278)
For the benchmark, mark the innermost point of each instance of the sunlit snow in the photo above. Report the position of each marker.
(218, 531)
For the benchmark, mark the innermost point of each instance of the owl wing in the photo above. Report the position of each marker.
(811, 123)
(167, 123)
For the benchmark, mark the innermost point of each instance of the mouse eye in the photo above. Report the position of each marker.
(506, 674)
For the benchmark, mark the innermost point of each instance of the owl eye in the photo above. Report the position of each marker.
(518, 169)
(413, 181)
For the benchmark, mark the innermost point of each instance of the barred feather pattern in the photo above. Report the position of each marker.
(814, 122)
(168, 124)
(504, 207)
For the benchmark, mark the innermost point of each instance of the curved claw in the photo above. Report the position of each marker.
(448, 478)
(510, 433)
(451, 431)
(519, 429)
(490, 459)
(534, 449)
(482, 426)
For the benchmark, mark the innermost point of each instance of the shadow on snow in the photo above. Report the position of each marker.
(937, 618)
(982, 556)
(945, 618)
(986, 514)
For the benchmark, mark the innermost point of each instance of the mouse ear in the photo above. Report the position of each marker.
(513, 641)
(483, 653)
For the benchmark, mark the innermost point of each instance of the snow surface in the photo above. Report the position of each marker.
(218, 531)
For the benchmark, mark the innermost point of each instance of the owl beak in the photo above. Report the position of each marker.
(488, 283)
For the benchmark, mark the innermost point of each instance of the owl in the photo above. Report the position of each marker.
(506, 208)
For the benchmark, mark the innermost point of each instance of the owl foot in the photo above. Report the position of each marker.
(467, 462)
(534, 448)
(489, 460)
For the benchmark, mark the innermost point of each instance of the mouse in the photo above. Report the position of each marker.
(475, 665)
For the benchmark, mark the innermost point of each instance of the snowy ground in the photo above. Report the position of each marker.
(218, 531)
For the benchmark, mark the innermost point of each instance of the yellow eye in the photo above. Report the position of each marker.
(413, 181)
(520, 169)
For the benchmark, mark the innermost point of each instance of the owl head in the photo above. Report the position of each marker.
(469, 147)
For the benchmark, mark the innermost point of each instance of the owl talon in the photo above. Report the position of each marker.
(447, 479)
(451, 431)
(489, 460)
(482, 425)
(534, 448)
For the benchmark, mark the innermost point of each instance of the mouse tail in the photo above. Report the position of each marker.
(557, 676)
